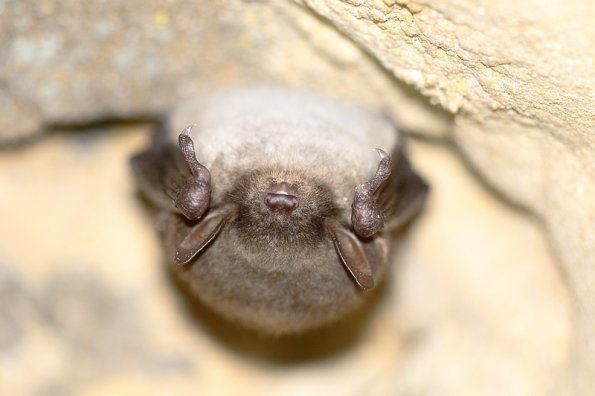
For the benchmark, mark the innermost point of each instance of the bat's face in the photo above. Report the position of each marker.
(280, 207)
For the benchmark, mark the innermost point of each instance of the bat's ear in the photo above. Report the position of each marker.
(351, 252)
(203, 233)
(391, 199)
(194, 196)
(367, 217)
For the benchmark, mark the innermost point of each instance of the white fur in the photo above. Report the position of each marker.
(261, 126)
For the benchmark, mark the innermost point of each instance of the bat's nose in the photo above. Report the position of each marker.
(280, 198)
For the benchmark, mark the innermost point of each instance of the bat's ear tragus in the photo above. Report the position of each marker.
(194, 196)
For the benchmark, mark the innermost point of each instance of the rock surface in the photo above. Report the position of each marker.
(513, 84)
(89, 309)
(521, 83)
(70, 63)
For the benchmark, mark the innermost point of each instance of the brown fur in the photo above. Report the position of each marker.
(273, 275)
(278, 271)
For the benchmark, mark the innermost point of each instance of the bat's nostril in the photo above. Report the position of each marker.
(281, 203)
(281, 198)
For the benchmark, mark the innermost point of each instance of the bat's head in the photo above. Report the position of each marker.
(282, 209)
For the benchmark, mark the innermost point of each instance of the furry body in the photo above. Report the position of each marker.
(281, 267)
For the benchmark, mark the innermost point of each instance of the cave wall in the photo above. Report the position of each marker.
(509, 84)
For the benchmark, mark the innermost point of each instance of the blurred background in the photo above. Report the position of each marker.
(491, 291)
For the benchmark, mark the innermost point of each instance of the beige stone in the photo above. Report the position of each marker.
(513, 88)
(91, 309)
(67, 63)
(520, 79)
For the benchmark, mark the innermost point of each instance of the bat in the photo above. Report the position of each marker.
(274, 203)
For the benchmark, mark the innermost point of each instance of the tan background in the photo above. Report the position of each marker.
(495, 287)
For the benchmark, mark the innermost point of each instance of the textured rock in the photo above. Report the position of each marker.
(67, 62)
(515, 81)
(521, 83)
(92, 311)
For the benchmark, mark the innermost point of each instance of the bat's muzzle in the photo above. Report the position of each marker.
(280, 198)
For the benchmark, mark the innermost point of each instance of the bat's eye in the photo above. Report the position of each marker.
(280, 198)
